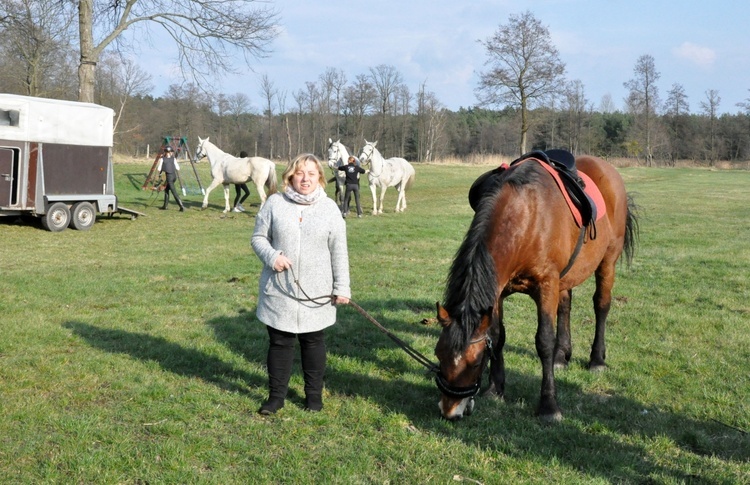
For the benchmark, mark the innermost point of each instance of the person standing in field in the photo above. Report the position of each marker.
(352, 171)
(169, 166)
(300, 238)
(239, 189)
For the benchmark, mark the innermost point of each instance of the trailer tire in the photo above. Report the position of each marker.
(83, 216)
(57, 217)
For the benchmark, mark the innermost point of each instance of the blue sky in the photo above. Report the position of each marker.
(699, 44)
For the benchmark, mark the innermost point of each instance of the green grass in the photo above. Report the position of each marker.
(130, 353)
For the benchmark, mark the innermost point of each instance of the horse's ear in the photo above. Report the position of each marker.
(375, 143)
(444, 319)
(330, 142)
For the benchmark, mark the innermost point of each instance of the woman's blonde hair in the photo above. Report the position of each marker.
(286, 177)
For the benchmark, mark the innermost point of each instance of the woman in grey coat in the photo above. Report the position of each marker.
(300, 235)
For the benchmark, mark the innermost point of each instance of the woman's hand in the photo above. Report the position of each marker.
(282, 263)
(340, 300)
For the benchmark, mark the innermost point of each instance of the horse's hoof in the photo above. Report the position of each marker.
(553, 418)
(597, 367)
(561, 366)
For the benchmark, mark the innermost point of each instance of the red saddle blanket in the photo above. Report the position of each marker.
(590, 188)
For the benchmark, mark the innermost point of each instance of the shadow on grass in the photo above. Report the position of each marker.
(169, 355)
(598, 435)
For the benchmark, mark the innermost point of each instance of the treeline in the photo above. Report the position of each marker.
(426, 132)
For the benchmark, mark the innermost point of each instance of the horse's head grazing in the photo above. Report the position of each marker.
(462, 360)
(200, 152)
(366, 156)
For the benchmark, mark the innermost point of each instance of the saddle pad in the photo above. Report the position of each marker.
(591, 190)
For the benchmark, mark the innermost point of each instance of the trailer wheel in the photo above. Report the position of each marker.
(57, 217)
(83, 216)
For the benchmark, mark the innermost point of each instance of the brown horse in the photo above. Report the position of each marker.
(523, 239)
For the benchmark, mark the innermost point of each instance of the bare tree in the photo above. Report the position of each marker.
(710, 108)
(268, 93)
(676, 111)
(359, 100)
(118, 82)
(333, 82)
(204, 31)
(677, 101)
(607, 105)
(524, 68)
(643, 100)
(575, 104)
(386, 80)
(36, 41)
(431, 119)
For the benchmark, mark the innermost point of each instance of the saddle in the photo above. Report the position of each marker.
(562, 163)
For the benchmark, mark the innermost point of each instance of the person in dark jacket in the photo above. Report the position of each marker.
(239, 189)
(352, 171)
(169, 166)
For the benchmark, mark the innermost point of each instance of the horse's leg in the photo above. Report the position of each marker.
(605, 280)
(383, 188)
(339, 193)
(564, 348)
(398, 198)
(497, 362)
(374, 191)
(261, 191)
(226, 198)
(546, 300)
(214, 183)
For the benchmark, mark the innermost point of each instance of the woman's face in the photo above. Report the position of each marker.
(306, 179)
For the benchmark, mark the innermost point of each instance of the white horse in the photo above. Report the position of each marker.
(227, 169)
(386, 173)
(338, 156)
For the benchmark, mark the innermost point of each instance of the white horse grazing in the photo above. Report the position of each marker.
(386, 173)
(227, 169)
(338, 156)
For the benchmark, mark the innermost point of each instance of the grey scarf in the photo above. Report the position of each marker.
(308, 199)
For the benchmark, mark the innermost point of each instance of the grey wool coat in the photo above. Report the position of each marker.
(313, 237)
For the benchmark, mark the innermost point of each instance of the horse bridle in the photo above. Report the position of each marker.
(200, 153)
(472, 390)
(368, 159)
(338, 160)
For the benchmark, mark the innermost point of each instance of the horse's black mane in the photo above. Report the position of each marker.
(471, 289)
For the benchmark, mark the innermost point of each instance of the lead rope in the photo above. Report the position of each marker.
(325, 299)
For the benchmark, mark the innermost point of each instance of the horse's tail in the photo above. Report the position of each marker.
(410, 181)
(271, 179)
(632, 231)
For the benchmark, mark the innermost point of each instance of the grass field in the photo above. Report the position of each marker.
(130, 353)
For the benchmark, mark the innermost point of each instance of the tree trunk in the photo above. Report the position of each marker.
(87, 66)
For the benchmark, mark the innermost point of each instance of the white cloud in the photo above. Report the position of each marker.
(701, 56)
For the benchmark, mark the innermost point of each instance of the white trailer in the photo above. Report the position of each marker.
(56, 161)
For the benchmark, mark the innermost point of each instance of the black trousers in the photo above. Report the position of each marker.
(281, 357)
(171, 177)
(352, 189)
(238, 190)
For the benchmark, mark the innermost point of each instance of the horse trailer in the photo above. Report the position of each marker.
(56, 161)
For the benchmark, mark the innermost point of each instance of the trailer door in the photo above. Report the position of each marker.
(8, 174)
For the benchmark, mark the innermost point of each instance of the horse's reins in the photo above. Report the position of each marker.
(440, 381)
(325, 299)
